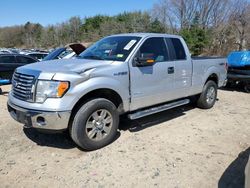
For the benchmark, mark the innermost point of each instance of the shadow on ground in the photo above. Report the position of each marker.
(63, 140)
(60, 140)
(234, 175)
(57, 140)
(153, 120)
(236, 88)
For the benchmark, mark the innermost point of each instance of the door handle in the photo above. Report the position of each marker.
(170, 70)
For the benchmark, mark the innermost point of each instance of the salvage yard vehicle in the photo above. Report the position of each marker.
(9, 62)
(239, 69)
(38, 55)
(66, 52)
(136, 74)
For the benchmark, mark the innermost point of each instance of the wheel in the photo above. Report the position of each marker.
(95, 124)
(208, 96)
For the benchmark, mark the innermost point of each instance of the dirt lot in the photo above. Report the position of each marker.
(185, 147)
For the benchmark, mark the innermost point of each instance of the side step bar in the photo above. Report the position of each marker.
(157, 109)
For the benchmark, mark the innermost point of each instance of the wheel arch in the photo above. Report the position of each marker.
(213, 77)
(105, 93)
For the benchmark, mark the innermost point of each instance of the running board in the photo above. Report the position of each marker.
(157, 109)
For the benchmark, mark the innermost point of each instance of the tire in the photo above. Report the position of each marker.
(208, 96)
(95, 124)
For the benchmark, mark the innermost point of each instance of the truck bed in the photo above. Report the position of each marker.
(207, 65)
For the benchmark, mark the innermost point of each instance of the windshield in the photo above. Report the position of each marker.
(116, 48)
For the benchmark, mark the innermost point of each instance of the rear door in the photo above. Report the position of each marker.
(7, 66)
(183, 67)
(153, 84)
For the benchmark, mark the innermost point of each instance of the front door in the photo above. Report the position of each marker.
(153, 84)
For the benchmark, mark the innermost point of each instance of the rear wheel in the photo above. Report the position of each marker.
(95, 124)
(208, 96)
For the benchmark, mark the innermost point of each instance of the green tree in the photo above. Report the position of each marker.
(156, 27)
(196, 36)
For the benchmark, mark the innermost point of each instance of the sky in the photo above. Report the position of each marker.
(45, 12)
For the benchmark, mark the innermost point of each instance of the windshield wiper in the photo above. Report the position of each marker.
(93, 57)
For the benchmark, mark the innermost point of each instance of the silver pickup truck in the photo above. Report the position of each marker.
(138, 74)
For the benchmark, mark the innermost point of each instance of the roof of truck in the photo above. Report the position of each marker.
(148, 34)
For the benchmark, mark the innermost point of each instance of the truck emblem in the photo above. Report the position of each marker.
(120, 73)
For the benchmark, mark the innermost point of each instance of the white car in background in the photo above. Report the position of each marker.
(5, 51)
(66, 52)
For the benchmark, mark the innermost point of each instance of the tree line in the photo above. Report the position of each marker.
(210, 27)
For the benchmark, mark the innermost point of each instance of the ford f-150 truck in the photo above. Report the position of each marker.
(136, 74)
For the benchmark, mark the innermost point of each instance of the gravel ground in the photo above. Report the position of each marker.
(184, 147)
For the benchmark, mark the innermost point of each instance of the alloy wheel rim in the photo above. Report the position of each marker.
(99, 124)
(210, 97)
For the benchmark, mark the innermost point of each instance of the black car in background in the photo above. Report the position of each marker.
(38, 55)
(9, 62)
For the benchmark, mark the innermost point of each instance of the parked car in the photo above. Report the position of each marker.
(38, 55)
(66, 52)
(134, 74)
(5, 51)
(239, 69)
(9, 62)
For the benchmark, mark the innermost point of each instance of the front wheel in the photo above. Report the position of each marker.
(208, 96)
(95, 124)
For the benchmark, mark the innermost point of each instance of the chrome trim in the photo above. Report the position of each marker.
(22, 86)
(157, 109)
(99, 124)
(53, 120)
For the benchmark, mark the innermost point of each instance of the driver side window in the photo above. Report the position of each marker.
(154, 48)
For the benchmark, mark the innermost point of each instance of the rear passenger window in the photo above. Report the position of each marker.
(176, 48)
(7, 59)
(154, 48)
(24, 60)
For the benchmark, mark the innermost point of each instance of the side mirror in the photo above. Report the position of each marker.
(144, 61)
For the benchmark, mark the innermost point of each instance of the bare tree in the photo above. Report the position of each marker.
(240, 20)
(162, 12)
(184, 11)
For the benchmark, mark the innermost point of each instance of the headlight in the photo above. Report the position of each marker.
(50, 89)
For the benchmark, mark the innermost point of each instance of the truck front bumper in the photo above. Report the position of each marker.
(39, 119)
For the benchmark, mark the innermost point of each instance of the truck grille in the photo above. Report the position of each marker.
(22, 86)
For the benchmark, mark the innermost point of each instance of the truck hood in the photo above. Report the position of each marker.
(64, 65)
